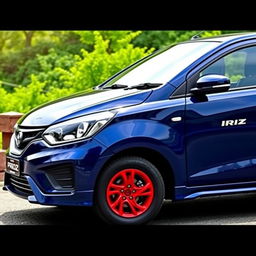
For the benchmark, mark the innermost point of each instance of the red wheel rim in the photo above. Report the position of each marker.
(130, 193)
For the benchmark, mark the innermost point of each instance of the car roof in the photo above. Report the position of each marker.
(227, 38)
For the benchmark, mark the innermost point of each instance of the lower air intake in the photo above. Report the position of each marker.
(21, 184)
(61, 176)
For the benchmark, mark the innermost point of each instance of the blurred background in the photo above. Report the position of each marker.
(39, 66)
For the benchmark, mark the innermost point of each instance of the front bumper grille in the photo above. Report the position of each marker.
(20, 184)
(24, 135)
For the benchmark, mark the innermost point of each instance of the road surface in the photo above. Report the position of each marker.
(225, 210)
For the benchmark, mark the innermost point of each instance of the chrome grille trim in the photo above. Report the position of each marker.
(29, 135)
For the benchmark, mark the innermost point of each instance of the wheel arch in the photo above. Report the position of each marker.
(161, 163)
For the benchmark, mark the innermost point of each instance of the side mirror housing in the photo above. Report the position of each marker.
(211, 84)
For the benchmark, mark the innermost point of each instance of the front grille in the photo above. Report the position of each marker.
(61, 176)
(24, 135)
(21, 184)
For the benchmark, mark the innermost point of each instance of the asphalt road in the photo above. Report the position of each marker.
(225, 210)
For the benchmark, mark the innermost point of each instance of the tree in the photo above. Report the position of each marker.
(158, 38)
(28, 38)
(9, 40)
(111, 53)
(4, 36)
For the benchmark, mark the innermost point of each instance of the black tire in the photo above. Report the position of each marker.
(101, 205)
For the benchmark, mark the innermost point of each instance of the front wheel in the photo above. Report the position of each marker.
(129, 191)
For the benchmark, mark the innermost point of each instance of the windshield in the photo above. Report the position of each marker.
(162, 66)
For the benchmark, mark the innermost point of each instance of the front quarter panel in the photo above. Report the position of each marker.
(149, 126)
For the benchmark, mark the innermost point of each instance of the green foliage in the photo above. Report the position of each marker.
(116, 40)
(49, 66)
(94, 67)
(23, 98)
(158, 39)
(16, 67)
(10, 41)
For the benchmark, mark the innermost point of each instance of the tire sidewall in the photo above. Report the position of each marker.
(130, 163)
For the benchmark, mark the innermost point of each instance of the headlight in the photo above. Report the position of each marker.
(77, 129)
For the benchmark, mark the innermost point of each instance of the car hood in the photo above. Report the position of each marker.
(82, 104)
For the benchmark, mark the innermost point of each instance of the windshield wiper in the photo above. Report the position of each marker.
(116, 86)
(144, 86)
(138, 86)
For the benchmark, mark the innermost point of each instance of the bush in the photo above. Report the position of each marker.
(23, 98)
(94, 67)
(16, 67)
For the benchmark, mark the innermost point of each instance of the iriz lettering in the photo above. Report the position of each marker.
(233, 122)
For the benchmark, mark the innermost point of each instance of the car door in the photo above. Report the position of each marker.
(221, 127)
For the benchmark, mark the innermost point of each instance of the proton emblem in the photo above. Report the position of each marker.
(19, 138)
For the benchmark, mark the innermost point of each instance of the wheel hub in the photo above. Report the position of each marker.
(130, 193)
(127, 192)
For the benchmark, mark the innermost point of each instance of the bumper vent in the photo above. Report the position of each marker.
(20, 184)
(61, 176)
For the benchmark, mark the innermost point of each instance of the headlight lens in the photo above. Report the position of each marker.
(77, 129)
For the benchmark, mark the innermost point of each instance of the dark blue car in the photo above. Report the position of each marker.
(178, 124)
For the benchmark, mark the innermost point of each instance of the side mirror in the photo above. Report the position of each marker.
(211, 84)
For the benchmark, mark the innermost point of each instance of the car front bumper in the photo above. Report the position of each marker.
(44, 171)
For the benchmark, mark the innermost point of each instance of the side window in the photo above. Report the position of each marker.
(238, 66)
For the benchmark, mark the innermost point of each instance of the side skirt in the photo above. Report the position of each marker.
(183, 192)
